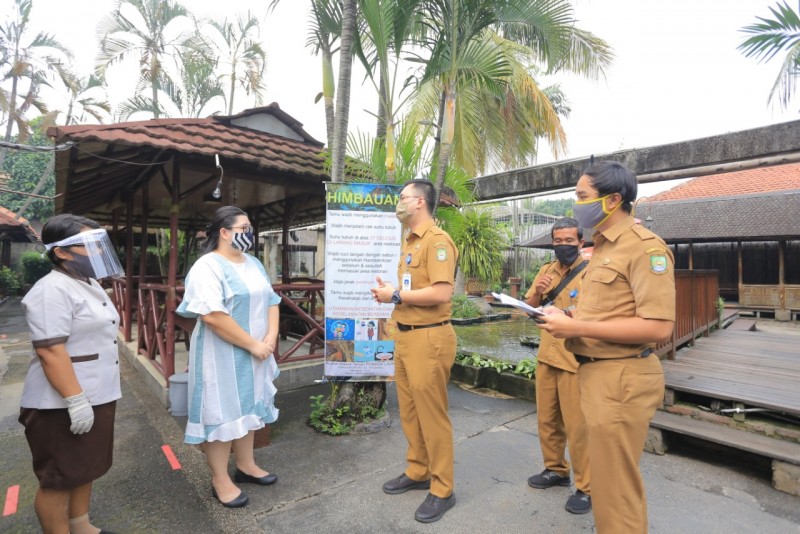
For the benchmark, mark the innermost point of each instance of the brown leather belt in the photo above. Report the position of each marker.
(406, 327)
(586, 359)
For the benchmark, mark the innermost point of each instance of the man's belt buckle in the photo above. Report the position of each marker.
(406, 327)
(587, 359)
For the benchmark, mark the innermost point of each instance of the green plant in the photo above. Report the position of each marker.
(330, 419)
(481, 243)
(34, 267)
(476, 360)
(720, 305)
(9, 281)
(464, 308)
(526, 368)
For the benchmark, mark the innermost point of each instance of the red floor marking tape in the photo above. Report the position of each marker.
(173, 460)
(12, 496)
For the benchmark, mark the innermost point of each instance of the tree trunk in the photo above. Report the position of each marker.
(380, 131)
(343, 98)
(328, 92)
(12, 102)
(447, 133)
(233, 89)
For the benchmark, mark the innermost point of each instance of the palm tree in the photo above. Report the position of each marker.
(342, 113)
(771, 36)
(85, 98)
(197, 92)
(326, 27)
(389, 27)
(27, 62)
(240, 57)
(463, 52)
(151, 31)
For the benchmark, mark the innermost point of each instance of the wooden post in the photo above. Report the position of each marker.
(691, 256)
(172, 272)
(739, 268)
(143, 254)
(286, 274)
(128, 267)
(255, 217)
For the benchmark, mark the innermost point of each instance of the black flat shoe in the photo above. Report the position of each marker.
(243, 478)
(238, 502)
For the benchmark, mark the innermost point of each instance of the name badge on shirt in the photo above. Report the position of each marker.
(406, 281)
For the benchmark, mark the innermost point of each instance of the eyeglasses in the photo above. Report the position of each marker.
(404, 197)
(245, 228)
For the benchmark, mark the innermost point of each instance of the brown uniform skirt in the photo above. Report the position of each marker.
(63, 460)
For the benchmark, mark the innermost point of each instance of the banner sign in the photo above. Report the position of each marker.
(362, 241)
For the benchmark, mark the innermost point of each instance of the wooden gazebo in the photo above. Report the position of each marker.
(137, 176)
(13, 230)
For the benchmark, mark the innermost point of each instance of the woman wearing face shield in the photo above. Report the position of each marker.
(231, 368)
(70, 392)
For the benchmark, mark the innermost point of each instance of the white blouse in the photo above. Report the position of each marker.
(60, 309)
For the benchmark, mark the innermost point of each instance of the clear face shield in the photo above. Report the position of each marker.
(97, 259)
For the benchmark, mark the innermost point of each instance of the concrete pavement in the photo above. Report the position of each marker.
(333, 484)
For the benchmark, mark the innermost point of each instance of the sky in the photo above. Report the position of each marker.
(677, 74)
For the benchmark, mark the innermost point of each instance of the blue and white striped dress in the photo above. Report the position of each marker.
(230, 392)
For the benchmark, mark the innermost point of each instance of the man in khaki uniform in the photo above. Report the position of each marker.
(558, 399)
(627, 305)
(425, 348)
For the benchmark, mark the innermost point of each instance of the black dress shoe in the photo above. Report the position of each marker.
(238, 502)
(243, 478)
(402, 484)
(434, 508)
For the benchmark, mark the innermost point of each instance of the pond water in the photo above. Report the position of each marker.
(498, 339)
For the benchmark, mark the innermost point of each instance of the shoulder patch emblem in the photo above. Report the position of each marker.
(658, 263)
(441, 254)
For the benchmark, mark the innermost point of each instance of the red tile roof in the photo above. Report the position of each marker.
(211, 136)
(752, 181)
(16, 228)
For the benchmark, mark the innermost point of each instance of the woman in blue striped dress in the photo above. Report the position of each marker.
(231, 367)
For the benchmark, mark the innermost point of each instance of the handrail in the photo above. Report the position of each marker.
(696, 294)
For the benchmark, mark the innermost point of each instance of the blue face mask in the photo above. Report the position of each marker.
(243, 241)
(592, 213)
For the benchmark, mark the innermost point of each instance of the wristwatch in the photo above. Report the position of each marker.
(396, 297)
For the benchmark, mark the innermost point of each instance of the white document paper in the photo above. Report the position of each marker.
(511, 301)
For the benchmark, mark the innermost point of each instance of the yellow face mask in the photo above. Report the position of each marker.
(592, 213)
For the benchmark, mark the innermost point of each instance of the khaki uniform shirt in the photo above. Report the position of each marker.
(63, 310)
(552, 350)
(631, 274)
(429, 256)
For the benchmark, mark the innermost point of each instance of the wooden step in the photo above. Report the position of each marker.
(743, 324)
(776, 449)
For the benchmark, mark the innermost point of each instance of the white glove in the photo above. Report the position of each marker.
(80, 413)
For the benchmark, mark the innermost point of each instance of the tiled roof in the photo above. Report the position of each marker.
(212, 136)
(18, 230)
(751, 181)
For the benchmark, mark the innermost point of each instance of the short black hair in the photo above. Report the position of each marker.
(610, 177)
(61, 227)
(566, 222)
(426, 190)
(224, 217)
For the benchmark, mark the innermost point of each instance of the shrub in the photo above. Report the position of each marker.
(9, 281)
(34, 267)
(464, 308)
(328, 419)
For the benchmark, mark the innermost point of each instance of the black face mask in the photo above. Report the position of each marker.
(566, 254)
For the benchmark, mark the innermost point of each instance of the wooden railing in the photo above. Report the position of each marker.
(302, 315)
(696, 294)
(159, 328)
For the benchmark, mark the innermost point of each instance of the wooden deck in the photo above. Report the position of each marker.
(759, 369)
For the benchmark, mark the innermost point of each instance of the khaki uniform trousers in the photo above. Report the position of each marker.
(422, 370)
(619, 397)
(561, 423)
